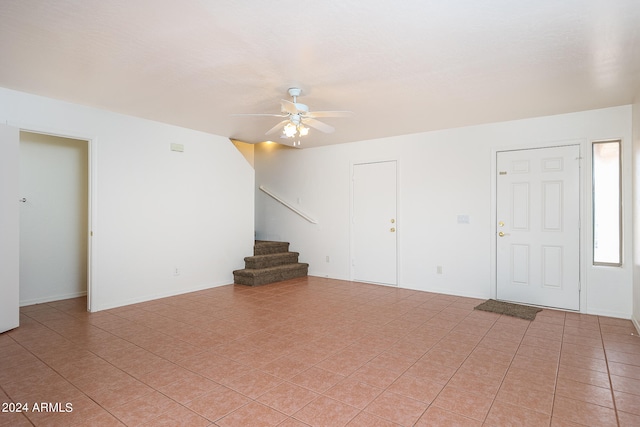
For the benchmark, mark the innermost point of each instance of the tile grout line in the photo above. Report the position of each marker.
(458, 368)
(484, 419)
(456, 371)
(124, 371)
(555, 382)
(64, 377)
(111, 364)
(47, 333)
(250, 399)
(606, 360)
(363, 410)
(5, 391)
(509, 367)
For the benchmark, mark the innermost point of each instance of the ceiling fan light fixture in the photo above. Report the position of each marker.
(297, 120)
(290, 130)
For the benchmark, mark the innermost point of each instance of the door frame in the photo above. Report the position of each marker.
(352, 165)
(585, 201)
(92, 161)
(9, 221)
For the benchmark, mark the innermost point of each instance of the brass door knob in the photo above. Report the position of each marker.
(393, 230)
(501, 234)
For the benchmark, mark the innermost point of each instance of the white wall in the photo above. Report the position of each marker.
(152, 209)
(54, 178)
(442, 174)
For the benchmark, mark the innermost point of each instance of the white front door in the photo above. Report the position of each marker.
(9, 228)
(538, 226)
(374, 257)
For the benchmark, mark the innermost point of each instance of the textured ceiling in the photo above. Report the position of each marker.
(401, 66)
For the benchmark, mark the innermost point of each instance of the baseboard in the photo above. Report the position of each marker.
(147, 298)
(636, 323)
(447, 291)
(607, 313)
(52, 298)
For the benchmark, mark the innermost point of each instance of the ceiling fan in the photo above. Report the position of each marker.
(298, 119)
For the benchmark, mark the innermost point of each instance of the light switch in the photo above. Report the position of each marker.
(463, 219)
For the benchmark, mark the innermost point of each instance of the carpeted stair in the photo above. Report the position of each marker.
(271, 262)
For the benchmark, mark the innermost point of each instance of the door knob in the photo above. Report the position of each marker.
(502, 234)
(393, 229)
(393, 221)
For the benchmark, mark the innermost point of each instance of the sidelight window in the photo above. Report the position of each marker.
(607, 209)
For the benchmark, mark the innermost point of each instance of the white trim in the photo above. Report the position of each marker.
(92, 244)
(165, 294)
(9, 228)
(92, 163)
(52, 298)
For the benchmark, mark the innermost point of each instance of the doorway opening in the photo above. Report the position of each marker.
(54, 218)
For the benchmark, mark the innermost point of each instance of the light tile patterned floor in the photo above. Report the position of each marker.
(317, 352)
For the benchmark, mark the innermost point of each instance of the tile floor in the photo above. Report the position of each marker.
(316, 352)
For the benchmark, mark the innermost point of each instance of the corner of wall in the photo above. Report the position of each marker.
(635, 123)
(246, 149)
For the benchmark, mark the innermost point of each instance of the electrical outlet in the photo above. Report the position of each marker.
(176, 271)
(328, 260)
(439, 269)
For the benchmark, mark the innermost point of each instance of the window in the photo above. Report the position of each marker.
(607, 212)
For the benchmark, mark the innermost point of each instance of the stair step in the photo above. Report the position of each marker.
(263, 276)
(271, 260)
(265, 247)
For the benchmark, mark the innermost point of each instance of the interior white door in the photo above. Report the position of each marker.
(9, 228)
(374, 255)
(538, 229)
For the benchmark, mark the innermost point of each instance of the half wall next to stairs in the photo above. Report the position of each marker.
(271, 262)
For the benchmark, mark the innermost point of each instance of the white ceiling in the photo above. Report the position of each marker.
(401, 66)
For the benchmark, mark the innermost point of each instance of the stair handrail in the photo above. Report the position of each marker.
(289, 205)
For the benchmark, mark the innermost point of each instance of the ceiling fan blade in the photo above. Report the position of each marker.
(314, 114)
(277, 127)
(316, 124)
(260, 114)
(288, 106)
